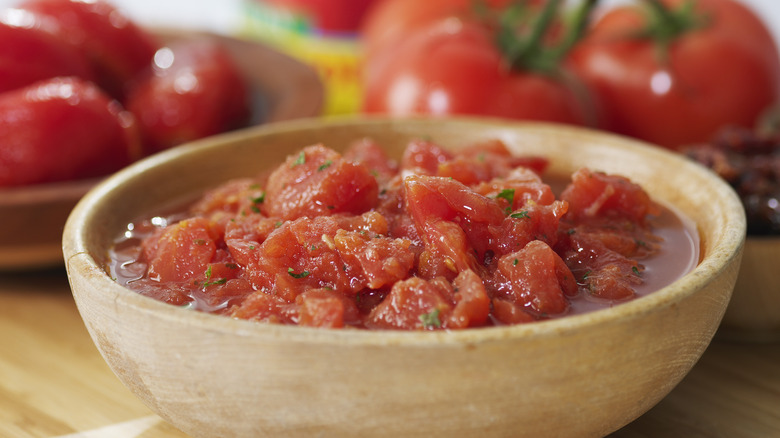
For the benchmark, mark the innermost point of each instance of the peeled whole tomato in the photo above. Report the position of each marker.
(192, 90)
(63, 129)
(28, 55)
(117, 47)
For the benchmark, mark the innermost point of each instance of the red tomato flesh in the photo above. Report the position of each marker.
(439, 241)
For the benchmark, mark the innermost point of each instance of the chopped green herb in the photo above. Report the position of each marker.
(211, 283)
(514, 262)
(571, 231)
(208, 272)
(199, 242)
(231, 265)
(301, 159)
(255, 209)
(259, 199)
(278, 224)
(430, 319)
(585, 276)
(324, 166)
(520, 215)
(508, 194)
(636, 271)
(303, 274)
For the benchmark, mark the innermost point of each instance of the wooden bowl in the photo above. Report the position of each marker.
(754, 311)
(582, 375)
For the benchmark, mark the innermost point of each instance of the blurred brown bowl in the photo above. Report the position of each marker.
(33, 216)
(754, 311)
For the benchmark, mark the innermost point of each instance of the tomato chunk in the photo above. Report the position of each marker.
(318, 181)
(537, 279)
(182, 252)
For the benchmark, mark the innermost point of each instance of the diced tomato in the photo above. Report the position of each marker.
(450, 218)
(601, 271)
(413, 304)
(537, 279)
(262, 306)
(447, 199)
(320, 253)
(508, 313)
(373, 261)
(531, 222)
(424, 157)
(596, 194)
(369, 153)
(472, 304)
(182, 252)
(318, 181)
(485, 161)
(325, 308)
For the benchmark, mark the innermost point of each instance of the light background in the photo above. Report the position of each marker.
(224, 15)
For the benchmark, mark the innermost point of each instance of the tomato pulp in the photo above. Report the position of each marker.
(439, 239)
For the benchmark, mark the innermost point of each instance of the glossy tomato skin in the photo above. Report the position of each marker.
(453, 67)
(192, 90)
(726, 73)
(28, 55)
(62, 129)
(118, 48)
(389, 21)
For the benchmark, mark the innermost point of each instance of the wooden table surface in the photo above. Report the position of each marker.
(54, 383)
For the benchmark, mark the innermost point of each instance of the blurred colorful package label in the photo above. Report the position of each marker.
(322, 33)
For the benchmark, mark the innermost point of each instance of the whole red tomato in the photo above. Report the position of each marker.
(677, 84)
(454, 66)
(62, 129)
(192, 90)
(29, 55)
(389, 21)
(116, 46)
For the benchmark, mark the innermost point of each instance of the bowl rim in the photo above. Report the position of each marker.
(79, 262)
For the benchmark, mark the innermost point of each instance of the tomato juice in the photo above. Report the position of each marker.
(439, 239)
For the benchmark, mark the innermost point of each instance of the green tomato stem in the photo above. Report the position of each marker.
(529, 52)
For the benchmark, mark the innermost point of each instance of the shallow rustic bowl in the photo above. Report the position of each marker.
(33, 217)
(584, 375)
(754, 311)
